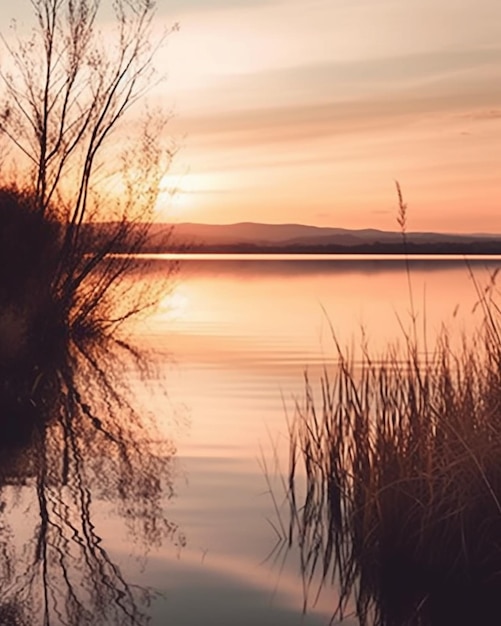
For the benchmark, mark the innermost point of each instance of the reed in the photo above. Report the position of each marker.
(394, 483)
(401, 506)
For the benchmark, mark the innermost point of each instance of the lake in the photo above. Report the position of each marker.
(231, 341)
(236, 337)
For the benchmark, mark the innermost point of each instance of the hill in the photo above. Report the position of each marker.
(250, 237)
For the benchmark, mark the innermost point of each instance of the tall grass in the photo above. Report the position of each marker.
(402, 502)
(394, 481)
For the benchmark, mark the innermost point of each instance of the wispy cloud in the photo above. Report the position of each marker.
(321, 103)
(294, 123)
(167, 7)
(483, 115)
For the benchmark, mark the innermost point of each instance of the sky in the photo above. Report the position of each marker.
(309, 110)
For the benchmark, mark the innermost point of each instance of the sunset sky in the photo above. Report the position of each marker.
(308, 110)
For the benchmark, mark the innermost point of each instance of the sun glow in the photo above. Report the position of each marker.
(176, 196)
(174, 306)
(182, 194)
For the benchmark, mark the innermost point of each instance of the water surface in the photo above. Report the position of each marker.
(234, 338)
(100, 513)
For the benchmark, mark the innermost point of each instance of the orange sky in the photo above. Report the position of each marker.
(308, 110)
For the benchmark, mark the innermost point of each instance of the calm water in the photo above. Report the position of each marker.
(232, 340)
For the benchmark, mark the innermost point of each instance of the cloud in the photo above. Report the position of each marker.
(169, 7)
(483, 115)
(340, 97)
(203, 192)
(397, 69)
(298, 122)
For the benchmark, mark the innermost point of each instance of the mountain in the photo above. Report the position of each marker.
(250, 237)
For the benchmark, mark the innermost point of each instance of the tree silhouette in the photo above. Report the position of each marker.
(69, 427)
(68, 88)
(87, 441)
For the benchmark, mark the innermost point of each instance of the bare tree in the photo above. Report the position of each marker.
(65, 92)
(67, 89)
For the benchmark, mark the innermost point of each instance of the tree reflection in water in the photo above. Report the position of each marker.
(72, 435)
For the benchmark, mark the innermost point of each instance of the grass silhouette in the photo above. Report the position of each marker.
(394, 486)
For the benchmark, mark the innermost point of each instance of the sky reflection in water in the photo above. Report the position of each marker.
(237, 340)
(232, 341)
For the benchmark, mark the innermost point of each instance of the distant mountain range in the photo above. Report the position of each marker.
(279, 238)
(250, 237)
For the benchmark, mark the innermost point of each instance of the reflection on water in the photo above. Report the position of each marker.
(74, 437)
(241, 334)
(394, 491)
(232, 339)
(394, 480)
